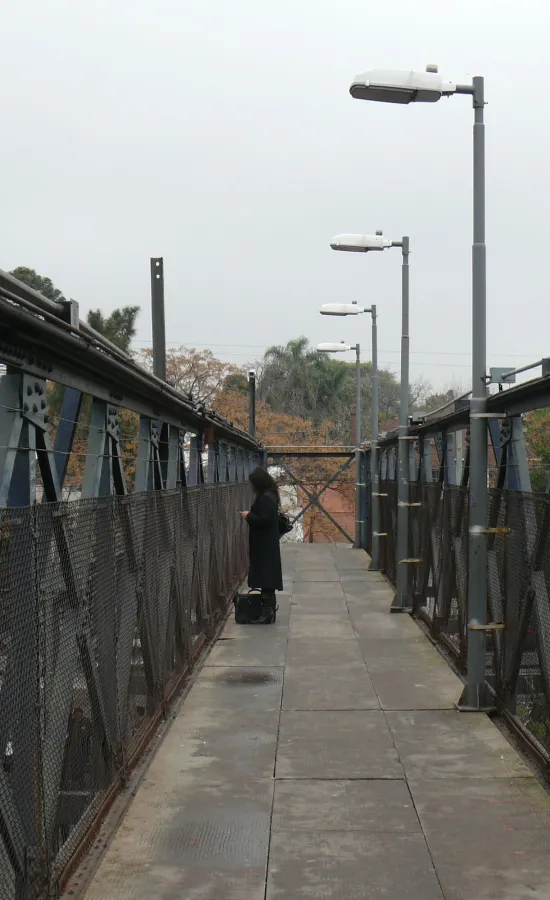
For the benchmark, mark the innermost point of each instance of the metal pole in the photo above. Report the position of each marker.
(458, 452)
(375, 481)
(475, 695)
(252, 404)
(358, 447)
(401, 600)
(157, 310)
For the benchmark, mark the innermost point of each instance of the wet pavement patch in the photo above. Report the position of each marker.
(248, 677)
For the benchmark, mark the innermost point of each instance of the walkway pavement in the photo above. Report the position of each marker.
(323, 758)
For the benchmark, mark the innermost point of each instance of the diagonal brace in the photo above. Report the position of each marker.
(314, 498)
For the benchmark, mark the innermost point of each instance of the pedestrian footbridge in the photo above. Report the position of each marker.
(150, 748)
(324, 757)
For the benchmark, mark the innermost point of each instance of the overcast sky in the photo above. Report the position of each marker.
(220, 134)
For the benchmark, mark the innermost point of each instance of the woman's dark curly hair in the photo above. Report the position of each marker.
(262, 482)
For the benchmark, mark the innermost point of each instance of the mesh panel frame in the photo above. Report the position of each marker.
(518, 588)
(105, 605)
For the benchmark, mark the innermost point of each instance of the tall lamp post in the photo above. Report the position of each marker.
(252, 402)
(343, 348)
(364, 243)
(352, 309)
(395, 86)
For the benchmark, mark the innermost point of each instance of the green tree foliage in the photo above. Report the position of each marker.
(46, 287)
(37, 282)
(298, 381)
(119, 327)
(437, 399)
(537, 437)
(290, 377)
(236, 381)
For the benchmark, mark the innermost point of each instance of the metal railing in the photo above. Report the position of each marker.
(107, 600)
(517, 626)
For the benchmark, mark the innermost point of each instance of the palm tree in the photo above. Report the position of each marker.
(298, 381)
(289, 378)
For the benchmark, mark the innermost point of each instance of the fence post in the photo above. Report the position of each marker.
(449, 458)
(232, 463)
(212, 469)
(223, 471)
(157, 310)
(366, 514)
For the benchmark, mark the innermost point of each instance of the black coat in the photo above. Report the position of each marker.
(265, 552)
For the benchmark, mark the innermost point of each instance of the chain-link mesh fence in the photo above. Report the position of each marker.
(519, 595)
(104, 605)
(518, 588)
(388, 528)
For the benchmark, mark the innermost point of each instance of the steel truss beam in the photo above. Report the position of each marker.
(54, 351)
(313, 498)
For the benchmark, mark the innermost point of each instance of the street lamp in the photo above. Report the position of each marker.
(365, 243)
(342, 348)
(397, 86)
(360, 243)
(394, 86)
(352, 309)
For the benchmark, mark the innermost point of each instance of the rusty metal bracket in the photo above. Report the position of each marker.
(478, 530)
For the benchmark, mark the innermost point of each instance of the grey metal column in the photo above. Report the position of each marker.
(402, 601)
(358, 447)
(475, 695)
(366, 515)
(212, 470)
(157, 310)
(252, 403)
(375, 480)
(458, 451)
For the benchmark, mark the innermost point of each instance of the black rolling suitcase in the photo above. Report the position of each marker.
(255, 608)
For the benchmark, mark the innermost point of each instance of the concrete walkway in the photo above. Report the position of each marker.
(323, 758)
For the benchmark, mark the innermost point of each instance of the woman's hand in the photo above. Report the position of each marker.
(243, 513)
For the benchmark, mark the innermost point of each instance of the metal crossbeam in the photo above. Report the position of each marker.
(314, 498)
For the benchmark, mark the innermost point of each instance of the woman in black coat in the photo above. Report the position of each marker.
(265, 571)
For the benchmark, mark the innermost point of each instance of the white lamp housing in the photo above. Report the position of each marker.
(340, 309)
(359, 243)
(397, 86)
(333, 348)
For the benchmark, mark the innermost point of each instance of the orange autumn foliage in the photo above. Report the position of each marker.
(286, 432)
(200, 374)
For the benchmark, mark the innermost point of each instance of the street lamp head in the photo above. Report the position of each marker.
(359, 243)
(397, 86)
(333, 348)
(340, 309)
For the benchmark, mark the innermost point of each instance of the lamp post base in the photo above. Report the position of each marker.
(476, 698)
(401, 604)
